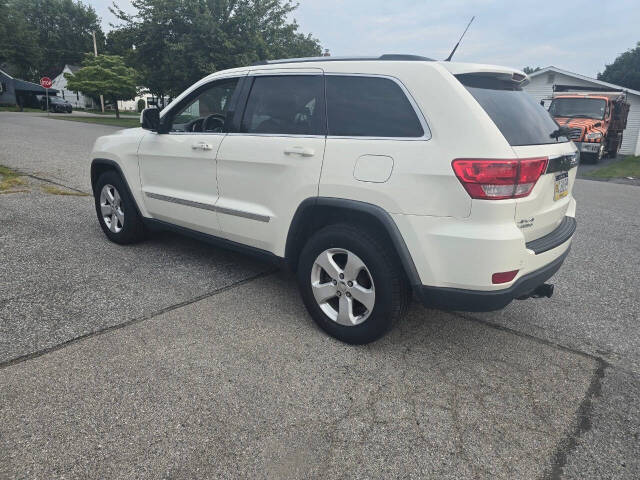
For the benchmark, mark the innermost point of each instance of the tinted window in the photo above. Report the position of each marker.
(207, 112)
(285, 104)
(520, 119)
(369, 107)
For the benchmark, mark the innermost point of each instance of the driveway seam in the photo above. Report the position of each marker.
(528, 336)
(51, 181)
(582, 425)
(133, 321)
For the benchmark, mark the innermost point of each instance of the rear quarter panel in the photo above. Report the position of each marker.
(422, 181)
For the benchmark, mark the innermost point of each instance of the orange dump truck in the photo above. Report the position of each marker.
(595, 120)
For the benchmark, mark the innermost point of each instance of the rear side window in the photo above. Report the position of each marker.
(285, 105)
(520, 119)
(359, 106)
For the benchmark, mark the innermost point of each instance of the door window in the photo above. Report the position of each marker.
(207, 112)
(285, 105)
(360, 106)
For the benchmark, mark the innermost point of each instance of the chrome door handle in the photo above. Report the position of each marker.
(201, 146)
(302, 151)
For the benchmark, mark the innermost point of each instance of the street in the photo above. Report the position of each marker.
(175, 359)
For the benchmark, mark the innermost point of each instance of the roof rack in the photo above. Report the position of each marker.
(388, 56)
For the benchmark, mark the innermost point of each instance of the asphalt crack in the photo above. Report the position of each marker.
(133, 321)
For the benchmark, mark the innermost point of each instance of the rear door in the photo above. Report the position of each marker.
(532, 133)
(273, 163)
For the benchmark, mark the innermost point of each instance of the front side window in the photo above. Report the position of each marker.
(285, 105)
(359, 106)
(207, 112)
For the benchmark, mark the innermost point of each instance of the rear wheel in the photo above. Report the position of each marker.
(351, 284)
(116, 210)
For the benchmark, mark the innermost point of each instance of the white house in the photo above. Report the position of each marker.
(132, 105)
(541, 87)
(77, 99)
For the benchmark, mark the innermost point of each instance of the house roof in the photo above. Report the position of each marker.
(551, 68)
(73, 68)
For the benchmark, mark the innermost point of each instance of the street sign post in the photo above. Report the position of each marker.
(45, 82)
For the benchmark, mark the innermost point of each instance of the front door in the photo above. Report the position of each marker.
(273, 163)
(178, 168)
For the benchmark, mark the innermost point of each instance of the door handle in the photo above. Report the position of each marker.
(201, 146)
(302, 151)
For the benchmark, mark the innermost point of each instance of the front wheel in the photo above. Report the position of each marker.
(116, 210)
(351, 284)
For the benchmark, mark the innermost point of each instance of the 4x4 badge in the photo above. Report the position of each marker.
(524, 223)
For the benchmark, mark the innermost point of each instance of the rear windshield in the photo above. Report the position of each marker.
(517, 115)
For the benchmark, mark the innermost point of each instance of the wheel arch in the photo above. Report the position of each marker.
(103, 165)
(314, 213)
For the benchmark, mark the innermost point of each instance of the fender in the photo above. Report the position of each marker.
(113, 165)
(298, 224)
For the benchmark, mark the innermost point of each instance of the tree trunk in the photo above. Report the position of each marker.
(115, 102)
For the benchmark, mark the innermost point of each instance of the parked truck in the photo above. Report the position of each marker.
(595, 120)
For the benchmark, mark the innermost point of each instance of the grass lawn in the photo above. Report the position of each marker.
(10, 181)
(627, 167)
(116, 122)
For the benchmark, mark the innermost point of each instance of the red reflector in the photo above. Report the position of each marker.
(490, 179)
(504, 277)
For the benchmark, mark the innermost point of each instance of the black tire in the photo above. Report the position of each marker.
(132, 228)
(392, 293)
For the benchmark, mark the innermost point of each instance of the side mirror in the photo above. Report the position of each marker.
(150, 119)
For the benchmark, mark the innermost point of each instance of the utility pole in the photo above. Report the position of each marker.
(95, 52)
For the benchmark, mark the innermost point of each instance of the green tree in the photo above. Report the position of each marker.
(62, 32)
(625, 69)
(19, 50)
(176, 42)
(104, 75)
(529, 70)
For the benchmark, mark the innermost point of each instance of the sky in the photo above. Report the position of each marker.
(579, 36)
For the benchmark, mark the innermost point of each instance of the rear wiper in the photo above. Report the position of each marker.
(560, 132)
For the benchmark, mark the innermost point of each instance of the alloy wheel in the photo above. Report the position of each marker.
(111, 208)
(343, 286)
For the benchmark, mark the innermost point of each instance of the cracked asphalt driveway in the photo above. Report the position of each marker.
(173, 359)
(257, 392)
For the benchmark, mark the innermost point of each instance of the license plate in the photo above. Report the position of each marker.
(561, 188)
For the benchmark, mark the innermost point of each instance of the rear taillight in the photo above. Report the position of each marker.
(489, 179)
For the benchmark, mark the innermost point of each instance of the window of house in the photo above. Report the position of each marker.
(286, 105)
(360, 106)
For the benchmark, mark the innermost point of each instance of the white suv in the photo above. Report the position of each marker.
(372, 178)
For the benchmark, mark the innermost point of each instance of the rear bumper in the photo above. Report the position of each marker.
(485, 301)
